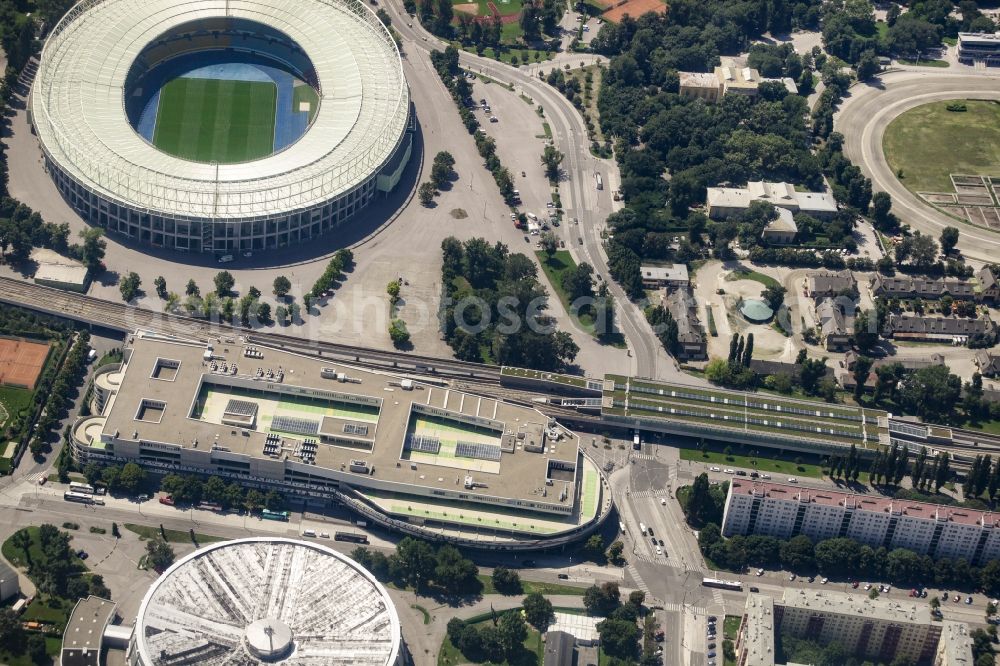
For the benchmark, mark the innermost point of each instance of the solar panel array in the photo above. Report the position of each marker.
(294, 424)
(241, 407)
(423, 443)
(355, 429)
(480, 451)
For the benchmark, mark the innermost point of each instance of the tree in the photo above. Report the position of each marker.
(128, 285)
(191, 289)
(512, 631)
(949, 239)
(619, 638)
(700, 504)
(551, 159)
(797, 554)
(538, 611)
(812, 370)
(11, 631)
(594, 548)
(36, 649)
(93, 247)
(281, 286)
(21, 540)
(862, 366)
(774, 295)
(224, 283)
(578, 282)
(748, 351)
(161, 286)
(398, 332)
(867, 66)
(932, 393)
(601, 600)
(426, 193)
(454, 573)
(131, 478)
(506, 581)
(549, 243)
(159, 553)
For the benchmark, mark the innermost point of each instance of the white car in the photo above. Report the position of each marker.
(765, 476)
(792, 479)
(868, 586)
(494, 119)
(663, 501)
(733, 471)
(825, 581)
(659, 551)
(760, 572)
(714, 469)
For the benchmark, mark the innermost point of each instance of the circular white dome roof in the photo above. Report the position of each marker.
(79, 114)
(267, 600)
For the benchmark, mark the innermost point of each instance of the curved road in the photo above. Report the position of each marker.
(578, 192)
(864, 116)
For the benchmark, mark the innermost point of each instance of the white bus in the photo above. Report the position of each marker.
(724, 584)
(84, 488)
(82, 498)
(599, 180)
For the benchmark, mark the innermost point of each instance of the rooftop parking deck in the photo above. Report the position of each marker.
(287, 408)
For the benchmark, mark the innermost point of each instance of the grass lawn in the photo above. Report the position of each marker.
(173, 536)
(925, 63)
(13, 401)
(212, 120)
(811, 469)
(929, 142)
(992, 427)
(449, 654)
(730, 626)
(881, 30)
(554, 268)
(529, 586)
(743, 274)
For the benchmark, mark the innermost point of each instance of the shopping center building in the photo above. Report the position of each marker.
(418, 457)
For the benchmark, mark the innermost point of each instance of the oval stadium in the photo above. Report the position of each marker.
(221, 126)
(266, 600)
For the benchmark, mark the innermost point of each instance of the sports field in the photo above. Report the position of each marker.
(929, 142)
(216, 120)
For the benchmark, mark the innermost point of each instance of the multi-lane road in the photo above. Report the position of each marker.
(580, 197)
(867, 112)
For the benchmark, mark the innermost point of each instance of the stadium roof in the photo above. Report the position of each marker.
(276, 598)
(79, 113)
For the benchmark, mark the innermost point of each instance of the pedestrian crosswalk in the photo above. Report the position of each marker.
(652, 492)
(642, 456)
(637, 579)
(717, 597)
(33, 478)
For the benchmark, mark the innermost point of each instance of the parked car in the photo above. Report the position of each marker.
(855, 584)
(82, 554)
(740, 472)
(825, 581)
(760, 572)
(792, 479)
(729, 471)
(714, 469)
(765, 476)
(791, 576)
(754, 589)
(563, 576)
(968, 600)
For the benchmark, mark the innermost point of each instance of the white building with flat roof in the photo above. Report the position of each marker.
(675, 275)
(984, 46)
(725, 202)
(785, 511)
(875, 629)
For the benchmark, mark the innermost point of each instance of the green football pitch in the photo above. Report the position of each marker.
(212, 120)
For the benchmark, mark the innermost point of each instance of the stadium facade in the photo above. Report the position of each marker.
(266, 600)
(357, 144)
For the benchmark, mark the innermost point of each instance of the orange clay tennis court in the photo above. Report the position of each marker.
(634, 8)
(21, 362)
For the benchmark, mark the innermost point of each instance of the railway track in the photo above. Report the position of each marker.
(126, 318)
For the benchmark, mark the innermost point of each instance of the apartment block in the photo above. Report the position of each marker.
(785, 511)
(879, 630)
